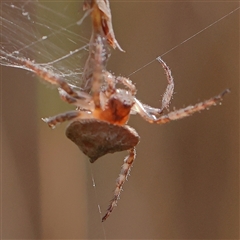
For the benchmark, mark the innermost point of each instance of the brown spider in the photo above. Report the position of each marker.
(98, 126)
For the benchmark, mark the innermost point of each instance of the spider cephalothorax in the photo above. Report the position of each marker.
(98, 125)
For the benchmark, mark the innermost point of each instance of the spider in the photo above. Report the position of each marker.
(99, 125)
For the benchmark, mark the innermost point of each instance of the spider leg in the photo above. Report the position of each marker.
(100, 77)
(49, 77)
(152, 110)
(128, 83)
(102, 26)
(167, 96)
(145, 109)
(84, 100)
(89, 68)
(44, 74)
(111, 84)
(97, 73)
(125, 170)
(67, 116)
(181, 113)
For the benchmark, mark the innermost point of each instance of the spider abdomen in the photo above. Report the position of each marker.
(96, 138)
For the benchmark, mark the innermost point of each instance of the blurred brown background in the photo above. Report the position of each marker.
(185, 181)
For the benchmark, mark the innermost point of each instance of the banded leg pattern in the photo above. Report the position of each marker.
(125, 170)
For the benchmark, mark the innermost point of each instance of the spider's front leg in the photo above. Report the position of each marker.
(50, 77)
(128, 83)
(178, 114)
(167, 96)
(98, 76)
(125, 170)
(44, 74)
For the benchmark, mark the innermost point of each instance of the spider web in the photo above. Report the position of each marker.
(45, 32)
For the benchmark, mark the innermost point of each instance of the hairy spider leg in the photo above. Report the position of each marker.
(67, 116)
(88, 70)
(97, 72)
(180, 113)
(66, 90)
(44, 74)
(51, 78)
(125, 171)
(167, 96)
(111, 84)
(83, 100)
(128, 83)
(101, 26)
(103, 81)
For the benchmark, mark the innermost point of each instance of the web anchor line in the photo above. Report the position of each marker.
(194, 35)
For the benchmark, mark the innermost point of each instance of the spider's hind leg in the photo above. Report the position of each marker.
(125, 170)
